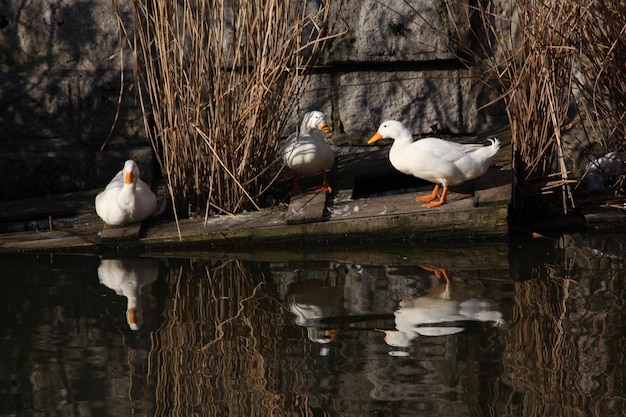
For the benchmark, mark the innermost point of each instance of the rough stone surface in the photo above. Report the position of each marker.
(390, 31)
(66, 171)
(419, 100)
(449, 101)
(60, 89)
(69, 35)
(80, 109)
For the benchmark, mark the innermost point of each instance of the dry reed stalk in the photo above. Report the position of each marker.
(220, 346)
(533, 65)
(561, 336)
(219, 79)
(538, 56)
(602, 75)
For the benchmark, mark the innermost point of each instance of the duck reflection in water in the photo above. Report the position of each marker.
(127, 277)
(310, 301)
(448, 302)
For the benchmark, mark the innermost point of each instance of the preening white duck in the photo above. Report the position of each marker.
(311, 301)
(127, 277)
(126, 199)
(306, 152)
(436, 160)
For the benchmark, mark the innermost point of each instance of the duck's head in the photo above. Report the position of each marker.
(388, 129)
(315, 120)
(131, 172)
(397, 338)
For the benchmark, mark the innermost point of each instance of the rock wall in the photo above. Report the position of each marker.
(59, 89)
(396, 60)
(60, 82)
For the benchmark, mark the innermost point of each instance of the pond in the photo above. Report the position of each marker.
(507, 328)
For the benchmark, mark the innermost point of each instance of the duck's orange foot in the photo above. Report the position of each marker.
(432, 196)
(441, 274)
(325, 187)
(434, 204)
(426, 198)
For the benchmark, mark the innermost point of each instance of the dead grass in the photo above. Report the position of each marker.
(218, 80)
(218, 83)
(219, 346)
(557, 65)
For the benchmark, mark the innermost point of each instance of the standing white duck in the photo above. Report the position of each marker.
(435, 160)
(447, 302)
(127, 277)
(307, 153)
(126, 199)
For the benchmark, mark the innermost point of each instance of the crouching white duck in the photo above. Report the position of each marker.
(126, 199)
(306, 153)
(436, 160)
(127, 277)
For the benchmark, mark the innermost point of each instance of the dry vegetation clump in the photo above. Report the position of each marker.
(218, 79)
(559, 66)
(220, 347)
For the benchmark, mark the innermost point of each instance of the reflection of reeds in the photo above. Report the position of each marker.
(220, 351)
(560, 360)
(219, 79)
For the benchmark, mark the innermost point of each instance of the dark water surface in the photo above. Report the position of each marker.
(520, 328)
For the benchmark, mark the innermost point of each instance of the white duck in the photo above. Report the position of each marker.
(445, 303)
(307, 153)
(127, 277)
(126, 199)
(311, 301)
(435, 160)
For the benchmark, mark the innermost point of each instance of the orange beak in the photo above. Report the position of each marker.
(128, 177)
(332, 334)
(324, 127)
(382, 331)
(131, 316)
(377, 136)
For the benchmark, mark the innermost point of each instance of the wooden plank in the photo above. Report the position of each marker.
(306, 208)
(46, 241)
(396, 204)
(79, 229)
(605, 218)
(45, 207)
(476, 208)
(116, 233)
(496, 186)
(458, 219)
(376, 220)
(366, 219)
(487, 255)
